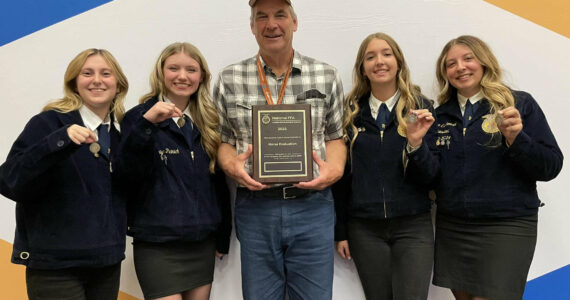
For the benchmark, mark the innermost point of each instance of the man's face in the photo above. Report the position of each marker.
(273, 26)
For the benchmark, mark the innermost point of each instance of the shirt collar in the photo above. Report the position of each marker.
(473, 99)
(186, 110)
(375, 103)
(92, 121)
(296, 66)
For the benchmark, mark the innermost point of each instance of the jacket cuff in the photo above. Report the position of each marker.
(222, 236)
(517, 148)
(340, 233)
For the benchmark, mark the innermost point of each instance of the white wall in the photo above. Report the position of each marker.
(135, 31)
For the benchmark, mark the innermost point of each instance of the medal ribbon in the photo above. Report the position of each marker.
(265, 85)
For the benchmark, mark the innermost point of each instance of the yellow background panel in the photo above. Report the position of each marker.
(552, 14)
(12, 277)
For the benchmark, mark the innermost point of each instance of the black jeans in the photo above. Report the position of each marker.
(83, 283)
(394, 257)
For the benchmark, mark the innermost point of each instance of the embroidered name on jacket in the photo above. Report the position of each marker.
(164, 154)
(443, 134)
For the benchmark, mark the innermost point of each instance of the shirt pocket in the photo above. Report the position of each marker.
(242, 115)
(319, 109)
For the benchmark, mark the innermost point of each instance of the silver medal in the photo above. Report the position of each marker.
(499, 120)
(411, 118)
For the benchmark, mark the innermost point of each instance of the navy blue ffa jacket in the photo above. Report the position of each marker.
(69, 212)
(379, 180)
(172, 195)
(478, 175)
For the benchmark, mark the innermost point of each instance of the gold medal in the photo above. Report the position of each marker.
(94, 148)
(489, 124)
(181, 121)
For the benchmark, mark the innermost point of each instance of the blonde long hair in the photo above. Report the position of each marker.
(492, 86)
(202, 109)
(410, 98)
(72, 100)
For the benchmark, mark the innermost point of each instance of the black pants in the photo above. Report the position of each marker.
(82, 283)
(394, 257)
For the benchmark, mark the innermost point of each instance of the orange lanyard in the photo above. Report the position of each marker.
(265, 85)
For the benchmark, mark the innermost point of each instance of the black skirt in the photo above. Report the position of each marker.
(484, 257)
(165, 269)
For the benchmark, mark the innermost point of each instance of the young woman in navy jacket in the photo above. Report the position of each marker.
(70, 217)
(492, 144)
(179, 209)
(382, 203)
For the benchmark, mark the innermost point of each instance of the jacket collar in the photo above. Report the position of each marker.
(72, 117)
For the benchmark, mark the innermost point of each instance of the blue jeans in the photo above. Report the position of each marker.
(286, 245)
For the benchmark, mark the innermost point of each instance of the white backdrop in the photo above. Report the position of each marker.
(135, 31)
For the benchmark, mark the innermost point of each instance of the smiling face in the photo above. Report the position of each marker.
(380, 65)
(463, 70)
(273, 26)
(97, 84)
(182, 77)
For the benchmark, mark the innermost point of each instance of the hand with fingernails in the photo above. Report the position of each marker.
(81, 135)
(162, 111)
(418, 129)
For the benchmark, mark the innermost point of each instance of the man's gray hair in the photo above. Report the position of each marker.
(291, 11)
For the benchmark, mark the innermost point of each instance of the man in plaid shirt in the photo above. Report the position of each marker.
(286, 232)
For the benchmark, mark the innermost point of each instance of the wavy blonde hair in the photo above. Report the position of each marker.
(72, 100)
(202, 109)
(410, 98)
(494, 90)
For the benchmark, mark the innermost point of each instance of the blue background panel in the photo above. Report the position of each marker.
(19, 18)
(551, 286)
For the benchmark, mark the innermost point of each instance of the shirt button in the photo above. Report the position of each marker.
(148, 131)
(60, 143)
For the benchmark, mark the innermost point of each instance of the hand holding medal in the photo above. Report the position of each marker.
(418, 125)
(81, 135)
(509, 123)
(162, 111)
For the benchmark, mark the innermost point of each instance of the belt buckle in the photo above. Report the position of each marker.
(285, 193)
